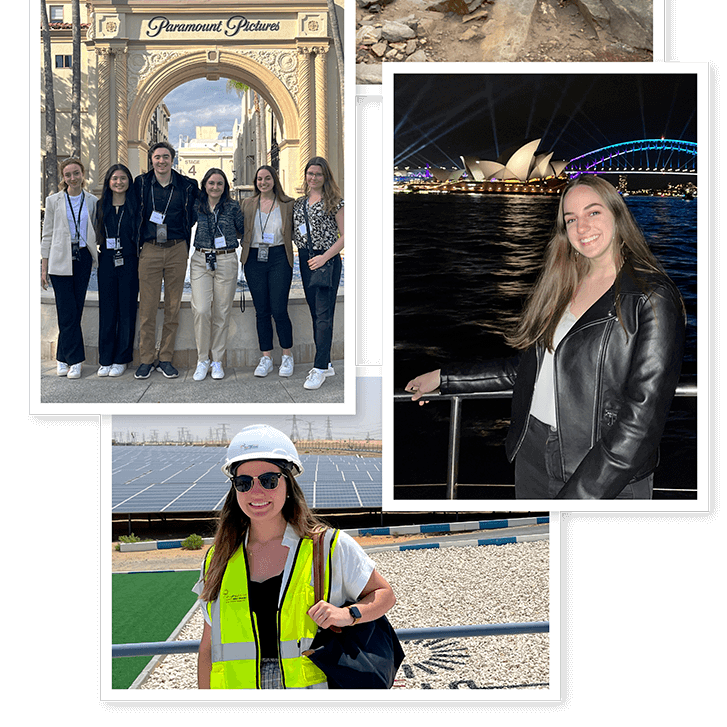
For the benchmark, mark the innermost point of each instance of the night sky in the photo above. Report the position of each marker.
(438, 117)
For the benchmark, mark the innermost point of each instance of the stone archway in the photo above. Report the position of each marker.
(287, 64)
(164, 73)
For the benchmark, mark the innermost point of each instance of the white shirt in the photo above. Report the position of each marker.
(543, 404)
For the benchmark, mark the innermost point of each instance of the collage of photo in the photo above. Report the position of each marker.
(366, 356)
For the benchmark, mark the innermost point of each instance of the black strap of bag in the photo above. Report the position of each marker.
(322, 277)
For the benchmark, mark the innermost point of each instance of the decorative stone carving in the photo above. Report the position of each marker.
(313, 25)
(141, 65)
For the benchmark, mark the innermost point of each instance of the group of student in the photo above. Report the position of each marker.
(139, 233)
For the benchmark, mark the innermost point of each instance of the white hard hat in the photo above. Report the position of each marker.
(262, 442)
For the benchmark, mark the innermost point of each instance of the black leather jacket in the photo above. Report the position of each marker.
(614, 386)
(189, 189)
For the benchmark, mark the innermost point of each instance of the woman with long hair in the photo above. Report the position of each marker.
(213, 271)
(267, 258)
(68, 254)
(117, 227)
(256, 580)
(318, 230)
(601, 339)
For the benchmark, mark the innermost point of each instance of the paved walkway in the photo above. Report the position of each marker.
(238, 386)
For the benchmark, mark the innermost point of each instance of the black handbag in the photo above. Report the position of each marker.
(321, 277)
(363, 656)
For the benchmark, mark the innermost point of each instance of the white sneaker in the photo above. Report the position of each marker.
(75, 371)
(329, 371)
(286, 366)
(117, 369)
(264, 367)
(62, 368)
(201, 371)
(217, 370)
(315, 378)
(103, 371)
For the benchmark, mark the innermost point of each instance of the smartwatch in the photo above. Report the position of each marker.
(355, 613)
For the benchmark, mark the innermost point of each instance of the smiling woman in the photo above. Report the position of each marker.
(602, 337)
(257, 580)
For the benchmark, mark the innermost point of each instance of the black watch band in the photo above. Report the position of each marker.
(355, 613)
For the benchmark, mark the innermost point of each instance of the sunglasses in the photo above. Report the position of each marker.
(269, 480)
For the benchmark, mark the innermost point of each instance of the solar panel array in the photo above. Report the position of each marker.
(165, 479)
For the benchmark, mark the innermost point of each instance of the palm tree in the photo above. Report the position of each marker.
(76, 82)
(51, 144)
(337, 44)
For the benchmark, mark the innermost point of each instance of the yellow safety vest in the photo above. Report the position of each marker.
(235, 641)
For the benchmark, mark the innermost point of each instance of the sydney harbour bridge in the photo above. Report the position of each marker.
(645, 156)
(537, 171)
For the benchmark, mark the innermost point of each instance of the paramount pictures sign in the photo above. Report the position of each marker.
(161, 26)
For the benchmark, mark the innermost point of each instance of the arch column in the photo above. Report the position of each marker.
(112, 122)
(305, 108)
(104, 120)
(122, 109)
(321, 100)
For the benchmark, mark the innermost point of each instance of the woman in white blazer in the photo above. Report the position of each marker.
(68, 254)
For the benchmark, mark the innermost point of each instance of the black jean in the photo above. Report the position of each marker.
(322, 305)
(538, 473)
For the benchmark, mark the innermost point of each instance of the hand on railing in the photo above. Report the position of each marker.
(424, 384)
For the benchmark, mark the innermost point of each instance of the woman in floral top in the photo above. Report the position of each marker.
(318, 234)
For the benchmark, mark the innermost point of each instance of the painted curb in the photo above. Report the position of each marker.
(436, 545)
(362, 532)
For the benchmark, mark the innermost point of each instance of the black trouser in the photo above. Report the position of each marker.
(269, 284)
(322, 304)
(118, 294)
(70, 294)
(538, 472)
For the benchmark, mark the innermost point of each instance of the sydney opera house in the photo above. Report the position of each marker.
(520, 170)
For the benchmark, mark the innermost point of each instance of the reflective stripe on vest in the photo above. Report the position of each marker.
(235, 641)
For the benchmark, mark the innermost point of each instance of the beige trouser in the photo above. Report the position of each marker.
(156, 264)
(213, 292)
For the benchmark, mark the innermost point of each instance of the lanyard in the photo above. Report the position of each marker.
(118, 223)
(169, 198)
(210, 227)
(267, 217)
(77, 223)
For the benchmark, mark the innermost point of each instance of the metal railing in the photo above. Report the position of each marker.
(155, 648)
(684, 389)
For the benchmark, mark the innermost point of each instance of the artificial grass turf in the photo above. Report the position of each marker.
(146, 607)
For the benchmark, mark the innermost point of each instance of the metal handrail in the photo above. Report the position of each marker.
(685, 388)
(154, 648)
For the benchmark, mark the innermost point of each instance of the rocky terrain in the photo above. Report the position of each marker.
(495, 30)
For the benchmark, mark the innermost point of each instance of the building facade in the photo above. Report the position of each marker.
(135, 52)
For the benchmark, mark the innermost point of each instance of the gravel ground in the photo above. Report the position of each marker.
(449, 586)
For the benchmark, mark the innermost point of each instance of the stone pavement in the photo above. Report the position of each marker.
(238, 386)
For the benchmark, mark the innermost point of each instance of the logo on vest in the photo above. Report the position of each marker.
(228, 597)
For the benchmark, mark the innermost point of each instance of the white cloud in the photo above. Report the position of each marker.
(201, 103)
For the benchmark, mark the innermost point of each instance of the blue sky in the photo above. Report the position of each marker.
(201, 103)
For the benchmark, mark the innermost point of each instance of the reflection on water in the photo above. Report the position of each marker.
(463, 266)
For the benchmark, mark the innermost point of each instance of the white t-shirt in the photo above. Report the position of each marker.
(351, 568)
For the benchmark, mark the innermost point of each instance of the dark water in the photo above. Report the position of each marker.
(463, 265)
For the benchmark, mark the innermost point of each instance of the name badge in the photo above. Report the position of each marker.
(220, 242)
(303, 231)
(268, 238)
(157, 218)
(112, 243)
